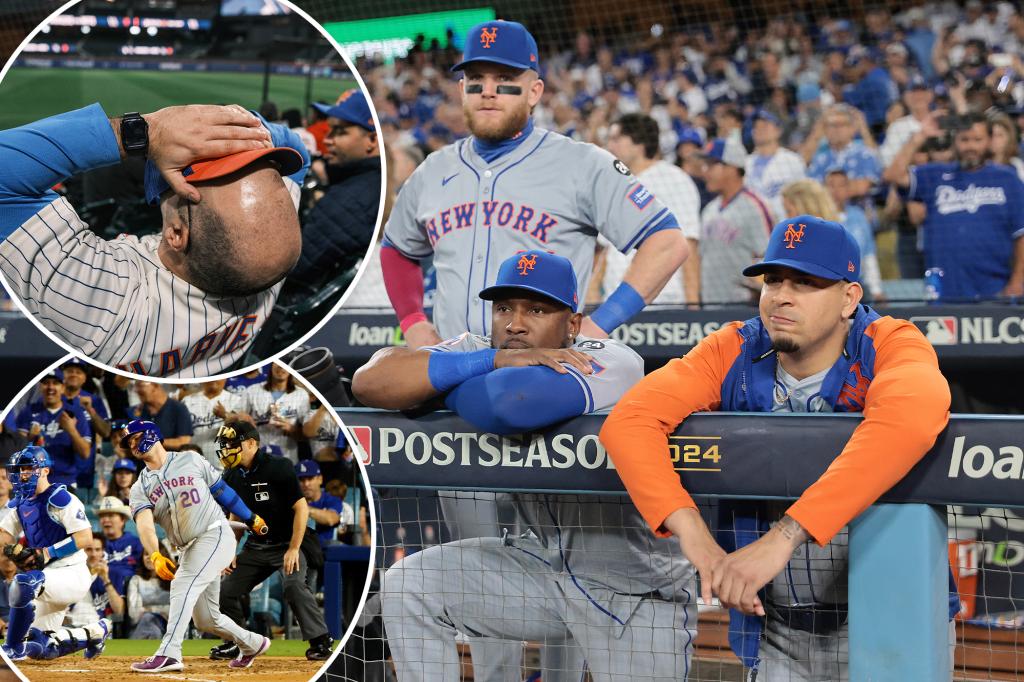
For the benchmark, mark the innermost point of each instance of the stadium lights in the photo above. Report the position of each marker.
(151, 31)
(86, 30)
(135, 30)
(45, 28)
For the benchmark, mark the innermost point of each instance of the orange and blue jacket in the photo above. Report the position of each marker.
(888, 371)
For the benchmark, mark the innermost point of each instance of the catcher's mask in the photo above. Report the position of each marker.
(150, 435)
(229, 442)
(33, 456)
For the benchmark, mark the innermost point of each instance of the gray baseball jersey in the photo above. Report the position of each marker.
(179, 495)
(205, 423)
(550, 193)
(733, 235)
(603, 538)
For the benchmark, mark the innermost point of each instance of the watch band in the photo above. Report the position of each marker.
(134, 134)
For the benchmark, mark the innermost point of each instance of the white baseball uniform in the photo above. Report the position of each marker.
(205, 423)
(114, 301)
(767, 175)
(263, 405)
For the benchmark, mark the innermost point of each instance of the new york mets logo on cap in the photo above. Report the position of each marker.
(526, 264)
(488, 36)
(794, 236)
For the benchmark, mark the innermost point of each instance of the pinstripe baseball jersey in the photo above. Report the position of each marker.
(113, 300)
(179, 495)
(262, 406)
(549, 193)
(205, 423)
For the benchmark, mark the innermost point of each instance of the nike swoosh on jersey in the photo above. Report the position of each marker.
(445, 181)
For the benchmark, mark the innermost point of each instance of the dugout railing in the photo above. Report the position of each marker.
(898, 567)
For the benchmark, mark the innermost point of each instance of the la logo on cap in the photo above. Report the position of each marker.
(488, 36)
(525, 264)
(793, 236)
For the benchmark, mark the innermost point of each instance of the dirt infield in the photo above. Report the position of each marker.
(197, 669)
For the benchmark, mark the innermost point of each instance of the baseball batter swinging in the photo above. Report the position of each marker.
(182, 492)
(183, 303)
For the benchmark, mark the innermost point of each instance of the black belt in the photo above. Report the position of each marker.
(264, 545)
(820, 619)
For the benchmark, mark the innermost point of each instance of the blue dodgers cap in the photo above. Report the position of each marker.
(917, 82)
(765, 115)
(813, 245)
(537, 271)
(124, 463)
(690, 135)
(76, 362)
(352, 107)
(307, 468)
(500, 42)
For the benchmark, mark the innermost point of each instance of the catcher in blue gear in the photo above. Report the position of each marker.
(52, 573)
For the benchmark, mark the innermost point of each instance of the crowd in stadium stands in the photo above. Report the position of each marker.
(75, 412)
(816, 111)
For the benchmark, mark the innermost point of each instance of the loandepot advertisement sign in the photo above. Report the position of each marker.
(393, 37)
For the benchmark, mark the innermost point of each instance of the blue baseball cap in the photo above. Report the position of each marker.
(500, 42)
(917, 82)
(727, 151)
(53, 374)
(765, 115)
(76, 362)
(537, 271)
(690, 135)
(307, 468)
(288, 161)
(125, 463)
(352, 107)
(808, 92)
(813, 245)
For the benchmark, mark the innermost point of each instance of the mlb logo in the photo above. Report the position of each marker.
(364, 437)
(640, 196)
(940, 331)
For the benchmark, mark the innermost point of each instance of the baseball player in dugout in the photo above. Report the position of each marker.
(186, 302)
(584, 588)
(52, 572)
(184, 494)
(814, 348)
(270, 487)
(512, 187)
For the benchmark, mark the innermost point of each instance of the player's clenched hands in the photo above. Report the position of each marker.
(697, 544)
(740, 575)
(548, 357)
(180, 135)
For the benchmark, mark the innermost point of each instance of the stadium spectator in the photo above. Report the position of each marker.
(293, 119)
(1006, 144)
(277, 408)
(319, 127)
(117, 389)
(339, 228)
(734, 227)
(728, 122)
(974, 224)
(325, 509)
(239, 383)
(832, 144)
(10, 441)
(61, 428)
(75, 372)
(107, 598)
(208, 407)
(771, 166)
(269, 111)
(172, 418)
(148, 600)
(320, 428)
(918, 98)
(831, 202)
(634, 140)
(7, 572)
(871, 88)
(122, 476)
(123, 550)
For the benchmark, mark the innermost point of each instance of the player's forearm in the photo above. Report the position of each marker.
(403, 281)
(691, 272)
(395, 378)
(898, 172)
(656, 261)
(147, 531)
(299, 523)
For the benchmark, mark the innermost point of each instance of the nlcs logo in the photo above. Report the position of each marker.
(525, 264)
(793, 236)
(488, 36)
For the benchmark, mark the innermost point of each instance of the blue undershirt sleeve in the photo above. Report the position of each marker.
(517, 399)
(229, 500)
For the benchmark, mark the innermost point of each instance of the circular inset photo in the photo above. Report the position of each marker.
(210, 529)
(187, 190)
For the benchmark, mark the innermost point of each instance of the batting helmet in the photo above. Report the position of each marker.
(150, 435)
(33, 456)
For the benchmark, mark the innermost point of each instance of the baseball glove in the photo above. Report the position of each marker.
(25, 558)
(258, 526)
(163, 566)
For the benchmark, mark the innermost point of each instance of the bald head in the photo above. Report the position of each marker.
(241, 239)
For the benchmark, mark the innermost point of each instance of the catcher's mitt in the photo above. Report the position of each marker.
(25, 558)
(163, 566)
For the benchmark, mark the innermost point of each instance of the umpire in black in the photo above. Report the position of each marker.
(269, 486)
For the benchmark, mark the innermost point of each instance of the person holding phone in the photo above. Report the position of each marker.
(59, 426)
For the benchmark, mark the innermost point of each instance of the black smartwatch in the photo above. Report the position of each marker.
(134, 134)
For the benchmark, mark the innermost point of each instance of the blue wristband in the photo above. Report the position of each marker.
(448, 370)
(65, 547)
(619, 308)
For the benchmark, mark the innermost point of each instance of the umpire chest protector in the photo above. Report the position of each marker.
(42, 530)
